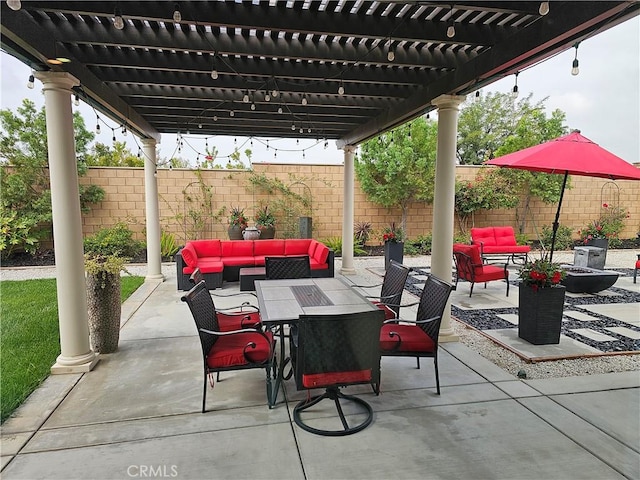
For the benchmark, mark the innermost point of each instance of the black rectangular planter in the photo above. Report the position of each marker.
(540, 314)
(393, 251)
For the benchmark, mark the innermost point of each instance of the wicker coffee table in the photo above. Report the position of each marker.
(249, 275)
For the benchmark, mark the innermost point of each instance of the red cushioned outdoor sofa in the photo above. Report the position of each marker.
(220, 260)
(499, 242)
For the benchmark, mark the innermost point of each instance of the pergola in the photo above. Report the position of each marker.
(336, 70)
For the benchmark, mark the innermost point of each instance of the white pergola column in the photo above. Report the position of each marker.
(152, 211)
(76, 354)
(347, 212)
(443, 204)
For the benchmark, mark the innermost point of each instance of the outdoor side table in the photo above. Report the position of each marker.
(249, 275)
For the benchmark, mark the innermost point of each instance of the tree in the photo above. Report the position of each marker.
(118, 156)
(533, 128)
(25, 208)
(486, 122)
(398, 167)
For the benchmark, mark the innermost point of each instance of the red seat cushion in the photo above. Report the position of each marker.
(414, 339)
(388, 313)
(488, 273)
(472, 251)
(319, 380)
(321, 253)
(228, 351)
(237, 320)
(189, 256)
(210, 265)
(265, 248)
(637, 263)
(297, 246)
(506, 249)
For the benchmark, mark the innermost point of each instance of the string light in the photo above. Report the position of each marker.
(515, 87)
(574, 67)
(232, 113)
(274, 93)
(391, 56)
(245, 98)
(177, 16)
(214, 71)
(118, 21)
(451, 30)
(76, 100)
(293, 126)
(477, 93)
(31, 81)
(304, 99)
(341, 88)
(279, 109)
(267, 97)
(97, 124)
(544, 8)
(14, 4)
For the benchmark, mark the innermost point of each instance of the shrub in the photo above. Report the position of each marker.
(563, 237)
(117, 241)
(363, 231)
(17, 233)
(608, 225)
(422, 244)
(168, 245)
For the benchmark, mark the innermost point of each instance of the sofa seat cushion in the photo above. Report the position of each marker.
(239, 261)
(315, 265)
(321, 253)
(210, 265)
(237, 248)
(229, 351)
(506, 249)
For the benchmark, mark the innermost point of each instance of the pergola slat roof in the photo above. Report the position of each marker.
(154, 75)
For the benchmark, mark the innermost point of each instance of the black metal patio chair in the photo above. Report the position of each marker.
(228, 350)
(419, 337)
(335, 351)
(392, 287)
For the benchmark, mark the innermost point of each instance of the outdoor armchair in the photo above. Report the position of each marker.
(635, 270)
(419, 338)
(391, 292)
(223, 351)
(469, 267)
(335, 351)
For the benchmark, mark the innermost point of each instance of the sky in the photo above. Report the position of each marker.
(602, 101)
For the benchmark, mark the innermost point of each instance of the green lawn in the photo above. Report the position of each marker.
(29, 336)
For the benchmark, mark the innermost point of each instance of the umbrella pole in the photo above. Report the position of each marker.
(556, 224)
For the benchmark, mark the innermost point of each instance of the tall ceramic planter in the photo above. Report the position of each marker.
(267, 233)
(393, 251)
(103, 302)
(235, 232)
(540, 314)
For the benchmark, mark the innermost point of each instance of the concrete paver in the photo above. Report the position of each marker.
(138, 414)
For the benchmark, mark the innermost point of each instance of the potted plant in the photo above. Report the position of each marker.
(604, 232)
(541, 302)
(106, 253)
(266, 223)
(237, 223)
(393, 238)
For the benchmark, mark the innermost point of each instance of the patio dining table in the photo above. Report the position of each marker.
(281, 303)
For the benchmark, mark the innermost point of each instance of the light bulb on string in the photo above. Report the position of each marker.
(177, 16)
(575, 70)
(118, 21)
(304, 99)
(274, 93)
(391, 56)
(232, 113)
(451, 30)
(293, 126)
(215, 118)
(301, 130)
(245, 98)
(341, 88)
(76, 101)
(14, 5)
(544, 8)
(514, 91)
(279, 109)
(31, 81)
(253, 106)
(214, 70)
(267, 97)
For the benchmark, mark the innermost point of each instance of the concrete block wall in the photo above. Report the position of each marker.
(125, 200)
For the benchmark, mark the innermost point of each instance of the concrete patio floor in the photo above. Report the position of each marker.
(137, 415)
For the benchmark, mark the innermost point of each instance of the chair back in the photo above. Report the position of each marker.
(433, 301)
(468, 261)
(196, 277)
(338, 350)
(277, 268)
(393, 285)
(204, 314)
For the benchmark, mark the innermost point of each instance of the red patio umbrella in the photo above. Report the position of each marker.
(572, 154)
